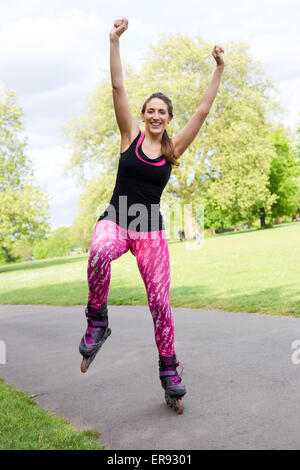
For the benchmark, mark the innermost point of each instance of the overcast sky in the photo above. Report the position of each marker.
(53, 53)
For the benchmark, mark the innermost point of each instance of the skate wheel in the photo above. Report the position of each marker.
(84, 365)
(175, 403)
(180, 407)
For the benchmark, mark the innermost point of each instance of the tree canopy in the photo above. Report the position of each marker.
(284, 177)
(24, 207)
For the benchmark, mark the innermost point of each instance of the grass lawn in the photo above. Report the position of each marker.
(256, 271)
(25, 426)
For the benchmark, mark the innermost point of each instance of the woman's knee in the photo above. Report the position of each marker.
(159, 306)
(99, 254)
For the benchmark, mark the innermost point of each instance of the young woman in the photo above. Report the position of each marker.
(145, 167)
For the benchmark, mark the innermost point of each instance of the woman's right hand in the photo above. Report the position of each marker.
(118, 28)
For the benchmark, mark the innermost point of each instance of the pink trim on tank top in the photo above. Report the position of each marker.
(162, 162)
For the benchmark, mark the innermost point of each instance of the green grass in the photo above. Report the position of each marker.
(256, 271)
(25, 426)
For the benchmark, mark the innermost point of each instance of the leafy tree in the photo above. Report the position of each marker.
(58, 243)
(297, 158)
(24, 207)
(215, 218)
(284, 177)
(22, 250)
(297, 145)
(241, 166)
(41, 249)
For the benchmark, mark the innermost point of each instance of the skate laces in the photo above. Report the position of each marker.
(90, 323)
(94, 324)
(90, 328)
(177, 378)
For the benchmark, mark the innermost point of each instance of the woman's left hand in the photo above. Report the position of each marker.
(216, 53)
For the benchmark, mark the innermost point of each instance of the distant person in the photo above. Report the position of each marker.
(181, 235)
(146, 161)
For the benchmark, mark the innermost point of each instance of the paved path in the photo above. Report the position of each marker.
(243, 389)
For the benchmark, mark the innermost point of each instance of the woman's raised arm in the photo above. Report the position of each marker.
(185, 137)
(128, 126)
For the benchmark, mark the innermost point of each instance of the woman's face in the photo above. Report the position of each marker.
(156, 116)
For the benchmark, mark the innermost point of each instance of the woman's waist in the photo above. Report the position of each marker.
(137, 217)
(127, 200)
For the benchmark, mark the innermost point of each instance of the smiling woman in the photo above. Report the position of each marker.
(146, 161)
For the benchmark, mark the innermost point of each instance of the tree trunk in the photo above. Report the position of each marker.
(190, 223)
(262, 217)
(8, 257)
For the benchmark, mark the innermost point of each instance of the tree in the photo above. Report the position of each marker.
(297, 144)
(297, 158)
(233, 149)
(24, 207)
(58, 243)
(41, 249)
(241, 166)
(284, 177)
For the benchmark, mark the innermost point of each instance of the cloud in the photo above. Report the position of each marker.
(290, 99)
(42, 53)
(46, 112)
(64, 193)
(53, 63)
(277, 53)
(49, 163)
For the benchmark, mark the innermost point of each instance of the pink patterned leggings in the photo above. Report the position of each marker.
(109, 242)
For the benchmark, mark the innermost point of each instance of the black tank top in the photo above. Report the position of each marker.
(135, 203)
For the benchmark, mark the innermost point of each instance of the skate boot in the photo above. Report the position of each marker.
(96, 334)
(171, 382)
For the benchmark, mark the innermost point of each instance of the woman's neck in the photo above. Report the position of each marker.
(152, 140)
(152, 144)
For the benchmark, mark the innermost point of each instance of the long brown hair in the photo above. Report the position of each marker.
(167, 146)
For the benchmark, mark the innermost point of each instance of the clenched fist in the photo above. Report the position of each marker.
(216, 53)
(118, 28)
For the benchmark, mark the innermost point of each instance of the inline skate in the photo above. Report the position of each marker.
(96, 334)
(171, 382)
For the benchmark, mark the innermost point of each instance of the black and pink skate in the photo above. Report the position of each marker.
(96, 334)
(171, 382)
